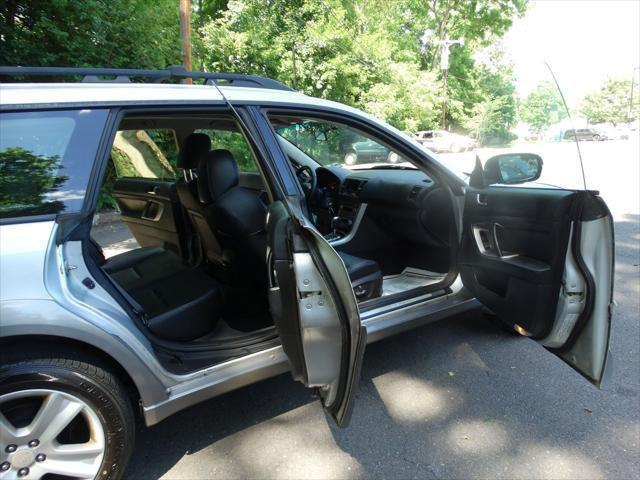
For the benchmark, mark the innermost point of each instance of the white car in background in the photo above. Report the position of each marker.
(443, 141)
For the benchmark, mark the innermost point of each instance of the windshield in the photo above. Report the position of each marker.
(330, 143)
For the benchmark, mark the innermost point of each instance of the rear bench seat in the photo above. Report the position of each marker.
(180, 302)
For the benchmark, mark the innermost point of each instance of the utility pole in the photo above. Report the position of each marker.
(445, 45)
(293, 67)
(185, 35)
(630, 110)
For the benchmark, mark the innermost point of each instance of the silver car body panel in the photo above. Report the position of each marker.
(43, 294)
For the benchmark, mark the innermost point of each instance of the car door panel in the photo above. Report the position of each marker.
(514, 245)
(150, 208)
(315, 310)
(525, 255)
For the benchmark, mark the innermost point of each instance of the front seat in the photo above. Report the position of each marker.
(365, 276)
(235, 215)
(238, 216)
(193, 150)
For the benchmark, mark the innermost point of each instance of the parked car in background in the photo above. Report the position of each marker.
(368, 151)
(443, 141)
(581, 134)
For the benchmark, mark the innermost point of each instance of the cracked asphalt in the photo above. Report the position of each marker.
(455, 399)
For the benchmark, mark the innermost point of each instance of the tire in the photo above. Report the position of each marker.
(86, 401)
(596, 138)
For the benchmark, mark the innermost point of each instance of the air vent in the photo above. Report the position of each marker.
(353, 186)
(415, 191)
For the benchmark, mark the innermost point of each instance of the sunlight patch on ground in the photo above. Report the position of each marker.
(297, 441)
(409, 399)
(478, 437)
(553, 462)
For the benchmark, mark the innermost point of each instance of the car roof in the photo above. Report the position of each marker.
(58, 94)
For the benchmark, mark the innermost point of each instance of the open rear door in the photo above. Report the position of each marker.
(314, 308)
(542, 260)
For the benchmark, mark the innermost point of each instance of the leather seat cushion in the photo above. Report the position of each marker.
(181, 303)
(140, 267)
(358, 267)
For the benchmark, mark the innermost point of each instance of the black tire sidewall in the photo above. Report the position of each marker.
(114, 413)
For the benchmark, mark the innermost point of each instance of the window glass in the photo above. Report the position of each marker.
(236, 144)
(334, 144)
(145, 153)
(46, 160)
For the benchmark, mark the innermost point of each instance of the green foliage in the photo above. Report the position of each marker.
(98, 33)
(610, 103)
(363, 53)
(26, 180)
(236, 144)
(494, 112)
(543, 107)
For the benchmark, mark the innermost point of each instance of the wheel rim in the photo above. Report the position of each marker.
(64, 437)
(350, 158)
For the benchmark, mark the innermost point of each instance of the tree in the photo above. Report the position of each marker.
(543, 107)
(610, 103)
(365, 53)
(90, 33)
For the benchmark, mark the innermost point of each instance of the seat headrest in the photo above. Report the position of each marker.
(193, 148)
(217, 174)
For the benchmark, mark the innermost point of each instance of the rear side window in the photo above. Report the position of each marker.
(151, 153)
(236, 144)
(46, 160)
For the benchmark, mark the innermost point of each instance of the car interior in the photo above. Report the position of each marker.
(190, 190)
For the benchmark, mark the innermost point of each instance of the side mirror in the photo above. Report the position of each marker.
(512, 168)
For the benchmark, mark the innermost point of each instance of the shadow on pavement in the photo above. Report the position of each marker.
(458, 398)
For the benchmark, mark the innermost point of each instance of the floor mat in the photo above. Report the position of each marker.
(409, 279)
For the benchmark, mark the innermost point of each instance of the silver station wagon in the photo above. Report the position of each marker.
(240, 245)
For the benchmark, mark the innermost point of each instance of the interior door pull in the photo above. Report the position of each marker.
(481, 199)
(153, 191)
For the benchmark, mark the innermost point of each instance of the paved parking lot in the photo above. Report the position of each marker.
(456, 399)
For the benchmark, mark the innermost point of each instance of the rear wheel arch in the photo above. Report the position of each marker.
(22, 347)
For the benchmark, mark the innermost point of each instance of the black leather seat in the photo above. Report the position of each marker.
(181, 303)
(235, 215)
(238, 216)
(203, 241)
(365, 276)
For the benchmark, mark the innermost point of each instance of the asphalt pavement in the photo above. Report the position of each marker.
(454, 399)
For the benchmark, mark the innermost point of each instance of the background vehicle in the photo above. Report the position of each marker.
(584, 134)
(232, 195)
(443, 141)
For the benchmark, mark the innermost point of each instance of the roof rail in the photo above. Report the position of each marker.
(124, 75)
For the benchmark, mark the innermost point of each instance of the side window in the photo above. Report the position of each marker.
(145, 153)
(334, 144)
(46, 160)
(236, 144)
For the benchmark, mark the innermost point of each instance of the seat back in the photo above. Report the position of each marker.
(193, 150)
(235, 215)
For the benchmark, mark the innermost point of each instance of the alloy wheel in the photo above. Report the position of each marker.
(45, 431)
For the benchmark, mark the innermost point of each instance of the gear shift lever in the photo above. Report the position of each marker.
(335, 221)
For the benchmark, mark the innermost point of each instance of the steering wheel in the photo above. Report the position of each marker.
(308, 180)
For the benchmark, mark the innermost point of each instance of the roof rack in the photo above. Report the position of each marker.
(125, 75)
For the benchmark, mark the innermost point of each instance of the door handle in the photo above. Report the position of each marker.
(486, 237)
(481, 199)
(153, 191)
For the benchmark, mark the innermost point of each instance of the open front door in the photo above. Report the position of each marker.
(314, 308)
(542, 260)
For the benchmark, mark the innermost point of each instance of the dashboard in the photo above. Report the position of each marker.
(406, 202)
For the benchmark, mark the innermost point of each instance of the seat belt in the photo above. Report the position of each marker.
(135, 306)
